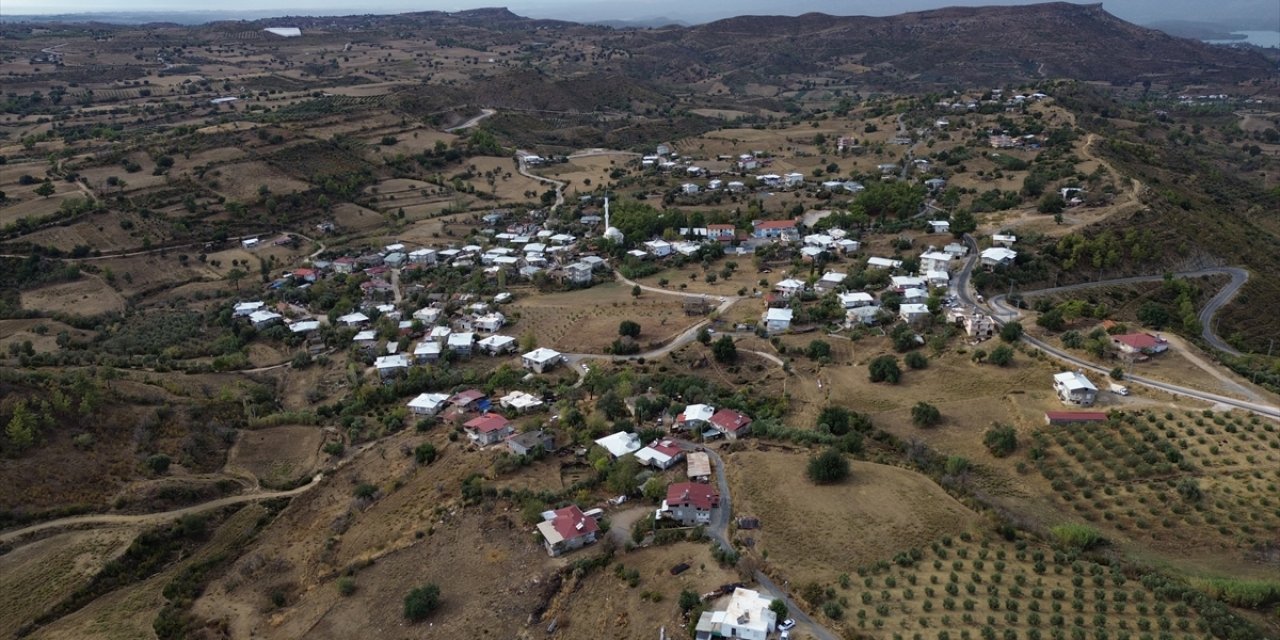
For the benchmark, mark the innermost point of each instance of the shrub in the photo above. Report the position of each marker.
(924, 414)
(828, 467)
(420, 602)
(158, 463)
(916, 360)
(885, 369)
(1001, 440)
(346, 585)
(629, 328)
(1077, 536)
(724, 350)
(1001, 356)
(1011, 332)
(425, 453)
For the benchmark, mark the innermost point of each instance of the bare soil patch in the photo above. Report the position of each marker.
(279, 455)
(36, 576)
(586, 320)
(88, 296)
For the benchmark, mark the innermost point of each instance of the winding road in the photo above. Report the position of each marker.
(484, 113)
(1002, 313)
(152, 518)
(523, 169)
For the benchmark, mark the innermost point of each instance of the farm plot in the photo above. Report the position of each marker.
(865, 519)
(88, 296)
(586, 321)
(242, 180)
(43, 333)
(37, 576)
(278, 456)
(960, 589)
(1173, 480)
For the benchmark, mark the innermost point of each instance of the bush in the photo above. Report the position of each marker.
(1011, 332)
(925, 415)
(1001, 440)
(1001, 356)
(1077, 536)
(425, 453)
(828, 467)
(158, 463)
(1251, 594)
(420, 602)
(818, 350)
(629, 328)
(916, 360)
(724, 350)
(346, 585)
(885, 369)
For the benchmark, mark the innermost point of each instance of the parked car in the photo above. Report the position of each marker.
(787, 624)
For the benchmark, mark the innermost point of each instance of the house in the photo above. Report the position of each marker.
(1074, 388)
(912, 313)
(1139, 343)
(460, 343)
(344, 264)
(866, 316)
(793, 180)
(470, 400)
(1073, 417)
(487, 429)
(261, 319)
(426, 352)
(846, 245)
(390, 366)
(689, 189)
(245, 309)
(955, 249)
(883, 263)
(520, 402)
(620, 444)
(541, 359)
(366, 340)
(998, 257)
(660, 454)
(428, 315)
(567, 529)
(776, 320)
(789, 288)
(935, 261)
(939, 226)
(1004, 240)
(307, 327)
(914, 296)
(496, 345)
(731, 424)
(578, 273)
(721, 232)
(695, 415)
(355, 319)
(784, 230)
(736, 186)
(978, 326)
(527, 443)
(659, 248)
(689, 503)
(856, 299)
(250, 243)
(698, 466)
(428, 404)
(305, 275)
(902, 283)
(490, 322)
(747, 617)
(937, 278)
(936, 184)
(422, 256)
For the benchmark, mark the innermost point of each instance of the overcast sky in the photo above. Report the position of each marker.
(1257, 14)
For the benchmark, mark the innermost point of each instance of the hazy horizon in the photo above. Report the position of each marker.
(1256, 14)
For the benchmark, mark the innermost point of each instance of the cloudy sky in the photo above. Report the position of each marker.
(1257, 14)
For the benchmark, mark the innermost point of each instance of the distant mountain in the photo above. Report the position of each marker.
(969, 45)
(639, 23)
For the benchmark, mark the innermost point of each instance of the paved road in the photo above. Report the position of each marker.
(484, 113)
(1003, 313)
(151, 518)
(559, 185)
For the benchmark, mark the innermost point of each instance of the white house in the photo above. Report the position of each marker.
(789, 287)
(461, 342)
(578, 273)
(695, 415)
(428, 404)
(353, 319)
(262, 318)
(846, 245)
(777, 320)
(935, 261)
(439, 334)
(902, 283)
(939, 226)
(422, 256)
(541, 359)
(428, 315)
(865, 315)
(855, 299)
(389, 366)
(1074, 388)
(689, 503)
(659, 248)
(487, 429)
(305, 326)
(1005, 240)
(793, 180)
(660, 454)
(497, 344)
(830, 280)
(620, 444)
(748, 617)
(520, 402)
(490, 322)
(689, 189)
(998, 256)
(244, 309)
(426, 351)
(911, 313)
(913, 296)
(956, 249)
(366, 339)
(883, 263)
(937, 278)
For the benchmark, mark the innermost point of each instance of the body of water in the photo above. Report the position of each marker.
(1257, 38)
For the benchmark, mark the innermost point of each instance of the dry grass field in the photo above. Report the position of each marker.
(88, 296)
(36, 576)
(867, 518)
(278, 455)
(586, 321)
(42, 332)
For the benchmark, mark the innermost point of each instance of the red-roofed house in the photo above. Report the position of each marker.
(660, 454)
(721, 232)
(732, 424)
(306, 275)
(567, 529)
(1072, 417)
(469, 400)
(689, 503)
(782, 229)
(1143, 343)
(487, 429)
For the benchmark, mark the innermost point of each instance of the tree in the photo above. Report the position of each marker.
(425, 453)
(818, 350)
(528, 341)
(158, 463)
(21, 429)
(1001, 356)
(916, 360)
(704, 335)
(925, 415)
(629, 328)
(45, 189)
(1011, 331)
(885, 369)
(1051, 320)
(828, 467)
(1001, 440)
(622, 476)
(235, 276)
(724, 350)
(1117, 373)
(963, 222)
(689, 600)
(635, 291)
(779, 608)
(420, 602)
(1051, 203)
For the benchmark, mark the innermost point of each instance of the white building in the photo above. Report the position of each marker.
(911, 313)
(244, 309)
(777, 320)
(935, 261)
(855, 299)
(426, 352)
(748, 617)
(541, 359)
(495, 345)
(391, 365)
(520, 402)
(939, 226)
(460, 343)
(1074, 388)
(428, 404)
(998, 256)
(883, 263)
(620, 444)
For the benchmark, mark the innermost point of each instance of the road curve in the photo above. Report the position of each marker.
(484, 113)
(523, 169)
(151, 518)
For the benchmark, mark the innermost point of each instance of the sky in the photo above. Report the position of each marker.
(1255, 14)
